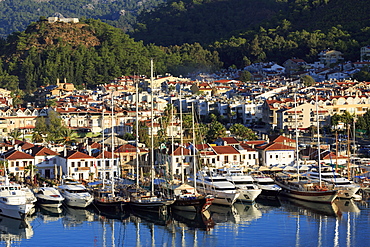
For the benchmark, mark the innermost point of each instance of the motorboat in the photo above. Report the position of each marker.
(75, 194)
(13, 200)
(48, 197)
(346, 188)
(210, 183)
(248, 191)
(31, 198)
(269, 188)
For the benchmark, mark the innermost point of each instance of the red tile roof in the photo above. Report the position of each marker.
(275, 146)
(230, 140)
(17, 155)
(76, 155)
(225, 150)
(42, 151)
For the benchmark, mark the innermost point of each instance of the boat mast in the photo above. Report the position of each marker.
(103, 146)
(337, 151)
(296, 133)
(349, 154)
(112, 136)
(137, 133)
(318, 136)
(152, 126)
(172, 146)
(181, 140)
(194, 162)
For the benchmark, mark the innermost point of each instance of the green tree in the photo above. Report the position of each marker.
(51, 103)
(68, 136)
(40, 126)
(15, 134)
(17, 97)
(307, 80)
(37, 137)
(216, 130)
(240, 131)
(245, 76)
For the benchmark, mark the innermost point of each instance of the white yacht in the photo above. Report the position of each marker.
(48, 197)
(31, 198)
(346, 188)
(248, 191)
(270, 189)
(13, 200)
(209, 183)
(75, 194)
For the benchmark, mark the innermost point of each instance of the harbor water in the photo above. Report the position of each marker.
(282, 222)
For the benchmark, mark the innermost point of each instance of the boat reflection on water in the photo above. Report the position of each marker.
(158, 218)
(200, 220)
(309, 208)
(50, 214)
(13, 230)
(76, 216)
(237, 213)
(347, 206)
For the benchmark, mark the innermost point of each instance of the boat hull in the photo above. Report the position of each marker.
(110, 205)
(312, 196)
(270, 193)
(78, 202)
(15, 211)
(248, 195)
(196, 204)
(49, 202)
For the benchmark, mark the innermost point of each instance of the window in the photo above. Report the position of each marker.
(78, 164)
(72, 164)
(270, 156)
(235, 158)
(99, 164)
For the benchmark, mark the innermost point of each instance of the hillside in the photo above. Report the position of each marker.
(260, 30)
(16, 15)
(89, 53)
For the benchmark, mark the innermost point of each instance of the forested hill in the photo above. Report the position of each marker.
(16, 15)
(207, 21)
(89, 53)
(245, 31)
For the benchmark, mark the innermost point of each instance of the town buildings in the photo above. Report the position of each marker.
(278, 102)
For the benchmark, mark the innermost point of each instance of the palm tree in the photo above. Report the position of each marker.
(15, 134)
(68, 136)
(37, 137)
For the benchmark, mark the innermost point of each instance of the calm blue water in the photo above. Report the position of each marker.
(264, 223)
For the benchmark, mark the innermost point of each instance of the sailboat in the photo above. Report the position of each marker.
(187, 197)
(106, 198)
(139, 198)
(301, 187)
(346, 189)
